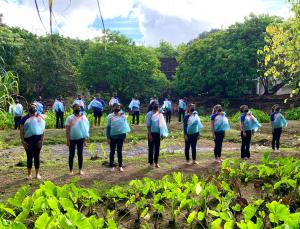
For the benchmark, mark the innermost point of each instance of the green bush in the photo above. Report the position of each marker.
(293, 114)
(261, 116)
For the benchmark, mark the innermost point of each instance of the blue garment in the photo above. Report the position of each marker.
(34, 125)
(182, 104)
(168, 105)
(278, 120)
(58, 106)
(16, 110)
(79, 127)
(220, 122)
(81, 103)
(40, 107)
(96, 104)
(116, 125)
(153, 123)
(134, 105)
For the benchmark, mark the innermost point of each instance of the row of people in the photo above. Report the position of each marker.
(32, 135)
(97, 106)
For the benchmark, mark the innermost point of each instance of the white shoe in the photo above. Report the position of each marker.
(112, 169)
(121, 169)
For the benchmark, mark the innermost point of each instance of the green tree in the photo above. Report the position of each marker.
(166, 50)
(223, 62)
(125, 69)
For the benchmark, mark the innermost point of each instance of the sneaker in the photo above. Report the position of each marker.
(195, 163)
(121, 169)
(81, 172)
(112, 169)
(157, 165)
(219, 161)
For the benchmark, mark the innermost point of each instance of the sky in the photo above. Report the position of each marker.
(146, 22)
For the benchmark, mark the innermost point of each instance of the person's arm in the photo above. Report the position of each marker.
(22, 137)
(212, 129)
(185, 122)
(108, 130)
(68, 128)
(148, 123)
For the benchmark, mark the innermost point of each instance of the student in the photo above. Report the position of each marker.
(168, 109)
(97, 105)
(114, 99)
(32, 127)
(152, 100)
(219, 124)
(79, 101)
(116, 130)
(16, 109)
(277, 123)
(191, 126)
(248, 124)
(181, 109)
(134, 106)
(59, 109)
(77, 131)
(157, 128)
(40, 105)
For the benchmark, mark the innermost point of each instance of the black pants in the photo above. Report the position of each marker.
(168, 114)
(136, 115)
(276, 138)
(116, 143)
(59, 119)
(153, 145)
(17, 122)
(72, 147)
(246, 140)
(33, 150)
(181, 115)
(218, 143)
(191, 142)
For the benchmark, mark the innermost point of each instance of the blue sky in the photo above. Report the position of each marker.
(145, 21)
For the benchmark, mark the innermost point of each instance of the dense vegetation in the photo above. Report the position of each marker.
(215, 201)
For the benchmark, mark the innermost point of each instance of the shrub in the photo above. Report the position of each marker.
(261, 116)
(293, 114)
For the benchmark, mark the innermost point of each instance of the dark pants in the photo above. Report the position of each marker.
(97, 116)
(168, 116)
(218, 143)
(276, 138)
(17, 122)
(153, 145)
(191, 142)
(116, 143)
(33, 150)
(59, 119)
(245, 148)
(72, 147)
(181, 115)
(136, 115)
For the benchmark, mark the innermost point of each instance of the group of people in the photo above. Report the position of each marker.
(32, 128)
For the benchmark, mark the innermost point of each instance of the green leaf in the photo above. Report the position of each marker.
(42, 221)
(191, 217)
(201, 215)
(66, 203)
(278, 211)
(22, 216)
(216, 224)
(249, 212)
(10, 211)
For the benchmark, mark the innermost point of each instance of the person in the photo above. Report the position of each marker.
(40, 105)
(157, 128)
(277, 123)
(59, 109)
(97, 105)
(181, 109)
(32, 134)
(191, 126)
(134, 106)
(152, 99)
(168, 109)
(77, 132)
(116, 130)
(16, 109)
(114, 99)
(219, 124)
(248, 125)
(80, 102)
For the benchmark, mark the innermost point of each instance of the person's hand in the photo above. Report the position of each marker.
(244, 133)
(150, 137)
(108, 141)
(185, 137)
(25, 145)
(68, 142)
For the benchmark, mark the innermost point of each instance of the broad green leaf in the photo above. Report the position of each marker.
(201, 216)
(216, 224)
(198, 189)
(191, 217)
(42, 221)
(249, 212)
